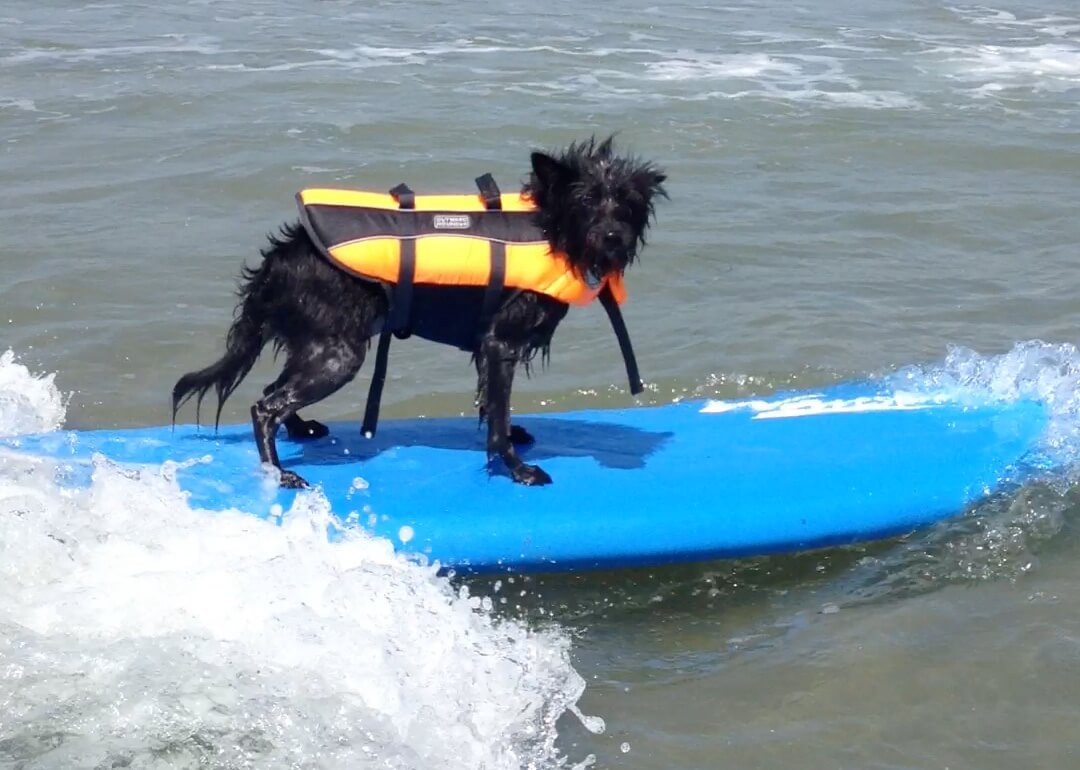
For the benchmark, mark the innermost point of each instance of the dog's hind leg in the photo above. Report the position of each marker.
(311, 374)
(500, 362)
(297, 428)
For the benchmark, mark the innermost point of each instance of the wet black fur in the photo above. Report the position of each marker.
(593, 205)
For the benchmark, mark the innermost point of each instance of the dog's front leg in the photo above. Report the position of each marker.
(500, 361)
(518, 436)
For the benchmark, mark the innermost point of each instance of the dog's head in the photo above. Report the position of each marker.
(593, 205)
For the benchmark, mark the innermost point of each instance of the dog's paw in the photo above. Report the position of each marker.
(305, 430)
(531, 475)
(519, 436)
(290, 480)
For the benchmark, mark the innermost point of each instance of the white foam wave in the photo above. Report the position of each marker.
(474, 47)
(1038, 52)
(135, 630)
(795, 78)
(366, 56)
(23, 105)
(1053, 25)
(28, 404)
(1045, 66)
(712, 67)
(202, 46)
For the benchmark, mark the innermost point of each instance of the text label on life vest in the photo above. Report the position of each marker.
(452, 222)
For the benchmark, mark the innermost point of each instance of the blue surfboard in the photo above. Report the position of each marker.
(639, 486)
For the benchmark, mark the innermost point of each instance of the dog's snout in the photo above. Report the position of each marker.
(612, 239)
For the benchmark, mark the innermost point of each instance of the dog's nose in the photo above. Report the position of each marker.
(612, 240)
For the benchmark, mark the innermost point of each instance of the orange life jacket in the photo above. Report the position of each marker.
(454, 239)
(488, 241)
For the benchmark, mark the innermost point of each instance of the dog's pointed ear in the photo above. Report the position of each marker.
(649, 182)
(549, 173)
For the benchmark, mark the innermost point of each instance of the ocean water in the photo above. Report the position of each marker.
(859, 190)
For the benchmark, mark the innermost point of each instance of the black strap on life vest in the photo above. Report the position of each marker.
(611, 305)
(397, 314)
(493, 293)
(378, 379)
(401, 299)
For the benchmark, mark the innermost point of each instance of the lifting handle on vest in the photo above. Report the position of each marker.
(489, 191)
(405, 197)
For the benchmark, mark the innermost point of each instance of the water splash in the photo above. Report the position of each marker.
(28, 404)
(1001, 537)
(137, 631)
(1035, 370)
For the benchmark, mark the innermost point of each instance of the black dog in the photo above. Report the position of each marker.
(592, 205)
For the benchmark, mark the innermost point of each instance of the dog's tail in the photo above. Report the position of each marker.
(243, 345)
